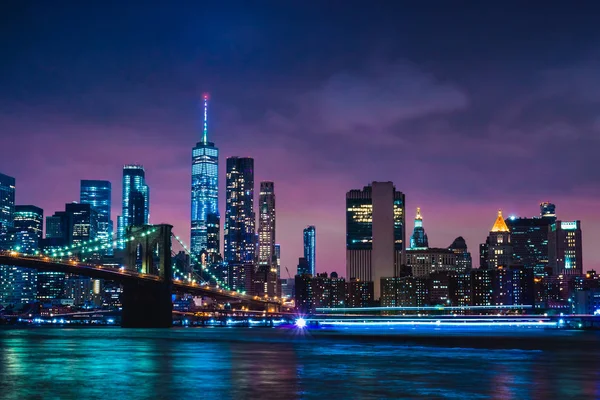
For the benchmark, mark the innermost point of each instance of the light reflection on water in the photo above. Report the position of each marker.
(238, 363)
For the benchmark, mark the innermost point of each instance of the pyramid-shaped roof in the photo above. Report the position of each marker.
(500, 225)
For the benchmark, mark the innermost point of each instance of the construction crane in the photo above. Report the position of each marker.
(288, 271)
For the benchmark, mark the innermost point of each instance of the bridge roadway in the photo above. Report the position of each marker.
(127, 277)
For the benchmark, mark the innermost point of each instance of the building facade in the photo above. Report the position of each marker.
(464, 261)
(239, 233)
(7, 202)
(499, 247)
(565, 254)
(205, 194)
(310, 248)
(98, 194)
(375, 233)
(267, 271)
(529, 239)
(419, 237)
(19, 285)
(424, 262)
(134, 189)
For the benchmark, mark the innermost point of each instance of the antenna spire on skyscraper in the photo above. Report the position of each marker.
(205, 127)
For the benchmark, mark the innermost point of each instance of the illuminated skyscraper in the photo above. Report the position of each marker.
(267, 273)
(499, 250)
(419, 237)
(266, 224)
(98, 195)
(310, 248)
(84, 219)
(7, 202)
(134, 188)
(240, 246)
(18, 285)
(28, 228)
(375, 233)
(564, 248)
(205, 193)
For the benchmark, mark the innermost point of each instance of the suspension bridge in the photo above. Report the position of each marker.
(147, 275)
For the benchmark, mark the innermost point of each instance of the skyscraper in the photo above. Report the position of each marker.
(205, 194)
(310, 248)
(18, 285)
(529, 239)
(266, 225)
(564, 248)
(7, 202)
(463, 257)
(375, 233)
(499, 251)
(84, 219)
(134, 188)
(28, 228)
(98, 195)
(419, 237)
(267, 273)
(240, 246)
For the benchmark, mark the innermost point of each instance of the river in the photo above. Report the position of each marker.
(266, 363)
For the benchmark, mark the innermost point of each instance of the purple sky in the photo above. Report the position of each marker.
(467, 110)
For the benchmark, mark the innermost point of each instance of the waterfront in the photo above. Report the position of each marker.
(238, 363)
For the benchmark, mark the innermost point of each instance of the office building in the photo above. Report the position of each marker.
(7, 202)
(375, 233)
(205, 195)
(529, 239)
(310, 248)
(19, 285)
(419, 237)
(425, 261)
(84, 219)
(359, 293)
(98, 194)
(565, 248)
(481, 287)
(499, 247)
(239, 214)
(239, 235)
(409, 291)
(267, 272)
(135, 203)
(303, 267)
(464, 261)
(28, 227)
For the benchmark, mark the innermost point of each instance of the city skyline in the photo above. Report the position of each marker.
(534, 115)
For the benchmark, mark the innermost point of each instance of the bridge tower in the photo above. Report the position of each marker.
(148, 304)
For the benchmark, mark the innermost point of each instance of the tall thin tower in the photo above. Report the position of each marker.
(268, 273)
(205, 194)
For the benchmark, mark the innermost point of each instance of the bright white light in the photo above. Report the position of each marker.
(301, 323)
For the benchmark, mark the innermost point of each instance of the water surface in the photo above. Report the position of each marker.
(263, 363)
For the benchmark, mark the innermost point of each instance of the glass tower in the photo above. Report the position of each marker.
(239, 235)
(98, 195)
(7, 202)
(205, 194)
(18, 285)
(310, 248)
(134, 187)
(28, 228)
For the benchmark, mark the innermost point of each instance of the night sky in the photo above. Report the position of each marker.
(466, 107)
